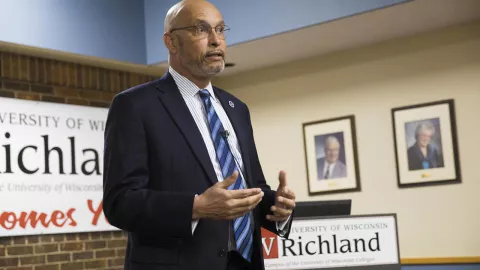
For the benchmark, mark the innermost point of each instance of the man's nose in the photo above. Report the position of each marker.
(214, 39)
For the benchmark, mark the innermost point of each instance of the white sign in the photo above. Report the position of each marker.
(336, 242)
(51, 165)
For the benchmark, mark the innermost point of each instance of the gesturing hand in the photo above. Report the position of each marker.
(218, 202)
(284, 201)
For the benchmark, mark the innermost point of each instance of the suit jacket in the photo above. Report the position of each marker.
(416, 158)
(339, 171)
(155, 161)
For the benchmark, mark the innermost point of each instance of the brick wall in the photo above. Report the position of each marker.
(49, 80)
(37, 78)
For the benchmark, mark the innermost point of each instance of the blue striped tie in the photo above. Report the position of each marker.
(241, 226)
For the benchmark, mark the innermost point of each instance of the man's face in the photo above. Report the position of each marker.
(424, 138)
(332, 150)
(200, 53)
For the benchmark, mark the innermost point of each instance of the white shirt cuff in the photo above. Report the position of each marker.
(194, 225)
(194, 222)
(281, 226)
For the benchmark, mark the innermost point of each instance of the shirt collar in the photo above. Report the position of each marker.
(188, 88)
(329, 164)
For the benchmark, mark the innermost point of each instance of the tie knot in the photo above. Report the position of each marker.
(204, 93)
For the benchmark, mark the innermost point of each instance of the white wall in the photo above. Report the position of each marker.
(435, 221)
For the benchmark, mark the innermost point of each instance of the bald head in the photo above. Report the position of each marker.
(184, 12)
(194, 37)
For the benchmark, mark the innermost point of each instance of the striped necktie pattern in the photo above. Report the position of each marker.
(242, 225)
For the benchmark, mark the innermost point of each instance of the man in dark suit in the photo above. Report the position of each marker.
(330, 167)
(182, 174)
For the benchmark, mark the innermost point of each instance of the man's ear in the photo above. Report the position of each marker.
(169, 42)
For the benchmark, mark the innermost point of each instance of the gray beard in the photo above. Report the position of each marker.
(201, 71)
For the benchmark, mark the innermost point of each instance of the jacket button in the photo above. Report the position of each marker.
(222, 253)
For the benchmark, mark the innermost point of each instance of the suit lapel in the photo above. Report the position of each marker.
(172, 100)
(235, 117)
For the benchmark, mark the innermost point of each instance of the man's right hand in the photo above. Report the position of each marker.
(218, 202)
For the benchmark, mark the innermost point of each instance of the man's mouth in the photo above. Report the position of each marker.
(215, 55)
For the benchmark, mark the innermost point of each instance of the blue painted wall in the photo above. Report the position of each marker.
(131, 30)
(253, 19)
(155, 12)
(112, 29)
(443, 267)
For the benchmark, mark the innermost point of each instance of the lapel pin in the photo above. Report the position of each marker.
(231, 104)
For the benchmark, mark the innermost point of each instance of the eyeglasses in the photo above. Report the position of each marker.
(205, 30)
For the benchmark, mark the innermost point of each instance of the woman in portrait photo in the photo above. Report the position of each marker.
(423, 154)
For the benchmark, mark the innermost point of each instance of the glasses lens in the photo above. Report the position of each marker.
(222, 31)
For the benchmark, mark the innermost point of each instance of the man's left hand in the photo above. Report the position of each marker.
(284, 201)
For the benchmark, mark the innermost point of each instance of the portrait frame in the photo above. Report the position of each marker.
(331, 141)
(425, 142)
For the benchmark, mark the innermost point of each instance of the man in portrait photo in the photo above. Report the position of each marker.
(425, 152)
(330, 166)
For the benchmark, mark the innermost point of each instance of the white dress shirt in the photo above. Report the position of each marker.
(194, 103)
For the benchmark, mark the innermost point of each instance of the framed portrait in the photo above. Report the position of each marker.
(425, 139)
(331, 155)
